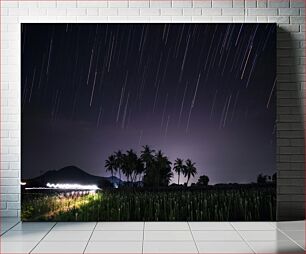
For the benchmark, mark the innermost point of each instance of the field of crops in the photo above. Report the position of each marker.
(249, 204)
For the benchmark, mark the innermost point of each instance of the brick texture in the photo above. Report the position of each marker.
(288, 14)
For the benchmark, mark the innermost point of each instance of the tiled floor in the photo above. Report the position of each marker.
(152, 237)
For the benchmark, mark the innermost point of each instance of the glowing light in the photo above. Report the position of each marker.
(23, 183)
(67, 186)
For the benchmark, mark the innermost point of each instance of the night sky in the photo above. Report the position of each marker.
(199, 91)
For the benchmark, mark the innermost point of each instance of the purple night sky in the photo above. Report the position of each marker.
(199, 91)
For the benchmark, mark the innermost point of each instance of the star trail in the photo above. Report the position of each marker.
(199, 91)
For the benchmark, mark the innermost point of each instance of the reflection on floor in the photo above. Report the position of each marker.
(152, 237)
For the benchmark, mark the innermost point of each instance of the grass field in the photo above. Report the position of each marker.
(245, 204)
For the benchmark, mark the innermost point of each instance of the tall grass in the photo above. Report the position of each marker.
(249, 204)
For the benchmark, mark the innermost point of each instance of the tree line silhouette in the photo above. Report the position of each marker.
(150, 169)
(264, 179)
(153, 169)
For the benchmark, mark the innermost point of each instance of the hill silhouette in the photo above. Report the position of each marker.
(70, 174)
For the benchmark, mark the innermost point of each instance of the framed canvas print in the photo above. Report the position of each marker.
(155, 122)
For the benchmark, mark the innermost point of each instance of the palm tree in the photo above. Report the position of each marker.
(119, 161)
(147, 155)
(139, 169)
(110, 165)
(130, 164)
(178, 168)
(124, 165)
(159, 173)
(189, 170)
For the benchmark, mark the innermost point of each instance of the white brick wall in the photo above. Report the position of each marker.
(289, 14)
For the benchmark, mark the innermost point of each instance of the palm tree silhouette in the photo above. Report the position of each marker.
(119, 161)
(139, 169)
(129, 164)
(147, 155)
(189, 170)
(163, 172)
(178, 168)
(110, 165)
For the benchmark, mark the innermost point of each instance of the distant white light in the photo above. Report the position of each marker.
(67, 186)
(23, 183)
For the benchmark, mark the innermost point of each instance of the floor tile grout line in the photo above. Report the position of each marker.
(290, 238)
(274, 226)
(14, 225)
(245, 241)
(90, 237)
(233, 227)
(143, 232)
(42, 238)
(193, 237)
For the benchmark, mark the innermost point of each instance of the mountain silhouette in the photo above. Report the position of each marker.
(71, 174)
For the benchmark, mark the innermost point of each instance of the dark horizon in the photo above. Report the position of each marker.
(123, 178)
(199, 91)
